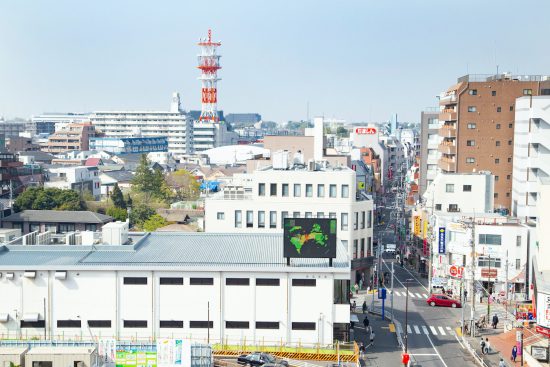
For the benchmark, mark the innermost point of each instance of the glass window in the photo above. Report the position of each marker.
(498, 126)
(320, 215)
(363, 219)
(490, 239)
(297, 190)
(470, 143)
(472, 125)
(272, 219)
(484, 262)
(518, 241)
(497, 160)
(497, 143)
(308, 215)
(437, 206)
(91, 227)
(472, 109)
(283, 216)
(309, 190)
(355, 245)
(238, 219)
(249, 219)
(345, 191)
(332, 215)
(499, 109)
(273, 189)
(332, 191)
(362, 253)
(472, 92)
(450, 188)
(34, 227)
(527, 92)
(493, 93)
(369, 219)
(66, 227)
(321, 191)
(518, 264)
(344, 221)
(220, 215)
(356, 220)
(261, 219)
(470, 160)
(261, 189)
(466, 188)
(296, 215)
(285, 189)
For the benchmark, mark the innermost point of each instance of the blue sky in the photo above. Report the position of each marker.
(357, 60)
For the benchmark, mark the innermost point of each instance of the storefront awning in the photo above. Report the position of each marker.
(30, 317)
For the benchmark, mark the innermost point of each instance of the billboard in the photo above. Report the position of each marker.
(441, 240)
(309, 237)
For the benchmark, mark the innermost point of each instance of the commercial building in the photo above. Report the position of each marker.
(260, 201)
(78, 178)
(531, 154)
(16, 176)
(130, 145)
(234, 287)
(429, 148)
(71, 137)
(12, 128)
(48, 123)
(478, 116)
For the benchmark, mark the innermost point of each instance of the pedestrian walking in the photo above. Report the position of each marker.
(465, 295)
(366, 323)
(354, 306)
(364, 306)
(501, 363)
(487, 346)
(360, 283)
(361, 350)
(514, 353)
(495, 321)
(482, 345)
(480, 297)
(372, 337)
(356, 287)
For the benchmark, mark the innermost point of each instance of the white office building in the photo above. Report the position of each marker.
(174, 285)
(80, 179)
(258, 202)
(531, 154)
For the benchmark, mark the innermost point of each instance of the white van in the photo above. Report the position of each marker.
(390, 248)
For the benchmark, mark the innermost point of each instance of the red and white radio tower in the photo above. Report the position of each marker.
(209, 64)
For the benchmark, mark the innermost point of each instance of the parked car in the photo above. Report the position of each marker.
(443, 300)
(261, 359)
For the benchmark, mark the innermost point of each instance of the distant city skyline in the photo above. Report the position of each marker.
(358, 60)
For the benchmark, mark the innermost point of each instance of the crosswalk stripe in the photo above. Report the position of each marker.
(409, 331)
(433, 330)
(425, 295)
(418, 295)
(449, 328)
(441, 330)
(411, 295)
(425, 329)
(416, 329)
(397, 293)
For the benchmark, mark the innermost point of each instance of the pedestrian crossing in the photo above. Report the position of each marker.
(411, 294)
(430, 330)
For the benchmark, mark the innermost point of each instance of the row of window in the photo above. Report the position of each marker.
(228, 281)
(497, 161)
(526, 92)
(56, 228)
(499, 109)
(359, 247)
(472, 143)
(171, 324)
(297, 190)
(451, 188)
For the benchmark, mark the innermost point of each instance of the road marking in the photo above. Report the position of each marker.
(418, 295)
(397, 293)
(423, 354)
(433, 330)
(448, 328)
(411, 295)
(416, 329)
(437, 353)
(392, 328)
(425, 295)
(422, 285)
(425, 329)
(458, 331)
(441, 331)
(409, 331)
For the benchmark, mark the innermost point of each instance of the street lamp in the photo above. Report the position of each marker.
(407, 314)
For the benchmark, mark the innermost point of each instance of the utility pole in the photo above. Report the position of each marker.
(406, 315)
(391, 295)
(489, 290)
(507, 286)
(208, 326)
(471, 224)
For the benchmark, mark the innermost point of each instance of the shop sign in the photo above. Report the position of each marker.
(489, 273)
(540, 353)
(365, 130)
(456, 271)
(441, 240)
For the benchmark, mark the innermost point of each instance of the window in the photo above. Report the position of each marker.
(362, 253)
(135, 280)
(498, 126)
(518, 264)
(303, 326)
(527, 92)
(509, 159)
(510, 125)
(509, 142)
(490, 239)
(320, 191)
(283, 216)
(344, 221)
(499, 109)
(237, 281)
(267, 325)
(237, 325)
(296, 215)
(472, 125)
(272, 219)
(494, 93)
(355, 246)
(470, 143)
(332, 215)
(220, 215)
(449, 188)
(484, 262)
(238, 219)
(171, 324)
(261, 219)
(508, 177)
(66, 227)
(496, 178)
(497, 160)
(511, 108)
(261, 189)
(320, 215)
(304, 282)
(497, 143)
(33, 324)
(453, 208)
(171, 281)
(437, 206)
(201, 281)
(495, 195)
(470, 160)
(297, 190)
(249, 219)
(90, 227)
(472, 92)
(69, 323)
(308, 215)
(356, 221)
(507, 194)
(363, 219)
(467, 188)
(201, 324)
(268, 282)
(345, 191)
(472, 109)
(99, 323)
(332, 191)
(518, 241)
(135, 323)
(309, 190)
(285, 190)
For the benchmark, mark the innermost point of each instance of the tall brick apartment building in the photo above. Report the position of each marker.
(478, 126)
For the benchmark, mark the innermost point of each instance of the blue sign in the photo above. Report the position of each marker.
(382, 293)
(441, 240)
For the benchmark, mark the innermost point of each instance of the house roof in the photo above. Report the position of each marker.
(58, 216)
(38, 156)
(176, 250)
(92, 162)
(120, 176)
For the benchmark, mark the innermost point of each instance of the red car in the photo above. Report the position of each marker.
(443, 301)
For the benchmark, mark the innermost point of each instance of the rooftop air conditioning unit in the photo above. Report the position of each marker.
(311, 165)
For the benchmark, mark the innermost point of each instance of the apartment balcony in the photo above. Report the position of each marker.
(447, 99)
(447, 148)
(447, 131)
(448, 115)
(447, 164)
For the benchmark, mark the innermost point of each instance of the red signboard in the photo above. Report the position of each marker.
(365, 130)
(456, 271)
(543, 330)
(489, 273)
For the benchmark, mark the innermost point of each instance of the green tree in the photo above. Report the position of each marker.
(140, 214)
(117, 198)
(154, 222)
(183, 184)
(342, 131)
(48, 199)
(120, 214)
(148, 181)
